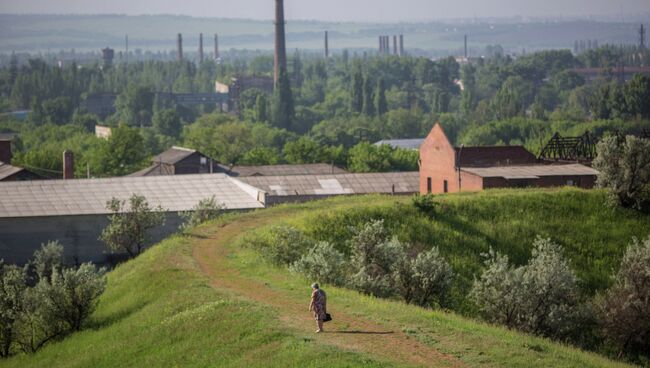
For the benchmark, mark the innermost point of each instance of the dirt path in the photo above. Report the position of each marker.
(347, 332)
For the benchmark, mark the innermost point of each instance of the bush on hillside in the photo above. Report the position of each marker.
(425, 204)
(625, 308)
(540, 297)
(282, 245)
(207, 209)
(12, 286)
(423, 280)
(128, 229)
(323, 263)
(373, 254)
(47, 260)
(624, 166)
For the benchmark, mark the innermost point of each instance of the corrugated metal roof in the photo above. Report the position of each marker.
(399, 183)
(488, 156)
(89, 196)
(281, 170)
(530, 172)
(7, 170)
(402, 143)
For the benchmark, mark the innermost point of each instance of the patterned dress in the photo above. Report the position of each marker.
(319, 301)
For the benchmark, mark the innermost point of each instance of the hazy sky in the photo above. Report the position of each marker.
(371, 10)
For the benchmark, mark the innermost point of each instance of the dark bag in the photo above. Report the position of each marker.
(328, 317)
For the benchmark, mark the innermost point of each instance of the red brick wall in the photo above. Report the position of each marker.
(438, 162)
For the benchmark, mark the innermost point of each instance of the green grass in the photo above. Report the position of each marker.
(160, 310)
(465, 226)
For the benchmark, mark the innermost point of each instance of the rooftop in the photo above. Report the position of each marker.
(398, 183)
(173, 155)
(402, 143)
(530, 172)
(89, 196)
(281, 170)
(486, 156)
(7, 170)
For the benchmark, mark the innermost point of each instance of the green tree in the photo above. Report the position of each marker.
(282, 107)
(261, 108)
(12, 285)
(368, 101)
(624, 169)
(167, 122)
(380, 98)
(135, 105)
(57, 110)
(356, 91)
(128, 227)
(123, 153)
(637, 96)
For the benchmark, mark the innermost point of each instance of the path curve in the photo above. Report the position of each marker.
(347, 332)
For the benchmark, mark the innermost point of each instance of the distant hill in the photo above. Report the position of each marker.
(203, 300)
(42, 33)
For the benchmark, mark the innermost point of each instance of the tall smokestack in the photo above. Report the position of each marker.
(216, 46)
(401, 45)
(200, 47)
(280, 41)
(126, 42)
(465, 46)
(68, 165)
(381, 45)
(327, 46)
(394, 44)
(179, 47)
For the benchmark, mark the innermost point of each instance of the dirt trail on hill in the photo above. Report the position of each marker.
(348, 332)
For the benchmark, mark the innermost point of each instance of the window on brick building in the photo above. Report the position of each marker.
(446, 186)
(428, 185)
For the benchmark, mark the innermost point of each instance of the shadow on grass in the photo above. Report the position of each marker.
(195, 235)
(100, 323)
(362, 332)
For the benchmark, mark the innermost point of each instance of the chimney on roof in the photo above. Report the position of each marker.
(5, 150)
(68, 165)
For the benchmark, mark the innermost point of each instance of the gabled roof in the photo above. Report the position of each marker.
(281, 170)
(7, 170)
(402, 143)
(485, 156)
(156, 169)
(173, 155)
(387, 183)
(530, 172)
(89, 196)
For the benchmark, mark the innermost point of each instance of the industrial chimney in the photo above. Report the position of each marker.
(465, 47)
(216, 46)
(179, 46)
(201, 48)
(327, 46)
(280, 41)
(394, 44)
(68, 165)
(401, 45)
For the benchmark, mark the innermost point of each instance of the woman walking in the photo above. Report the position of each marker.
(318, 305)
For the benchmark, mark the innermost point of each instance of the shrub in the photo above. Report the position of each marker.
(624, 311)
(624, 166)
(282, 245)
(373, 255)
(129, 227)
(206, 210)
(423, 280)
(48, 259)
(540, 297)
(38, 323)
(323, 263)
(425, 203)
(12, 286)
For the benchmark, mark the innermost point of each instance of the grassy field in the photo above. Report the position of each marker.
(203, 300)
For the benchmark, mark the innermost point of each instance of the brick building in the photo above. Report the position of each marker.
(447, 169)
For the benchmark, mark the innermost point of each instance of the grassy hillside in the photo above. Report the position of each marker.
(203, 300)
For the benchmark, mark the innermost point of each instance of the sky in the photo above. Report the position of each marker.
(338, 10)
